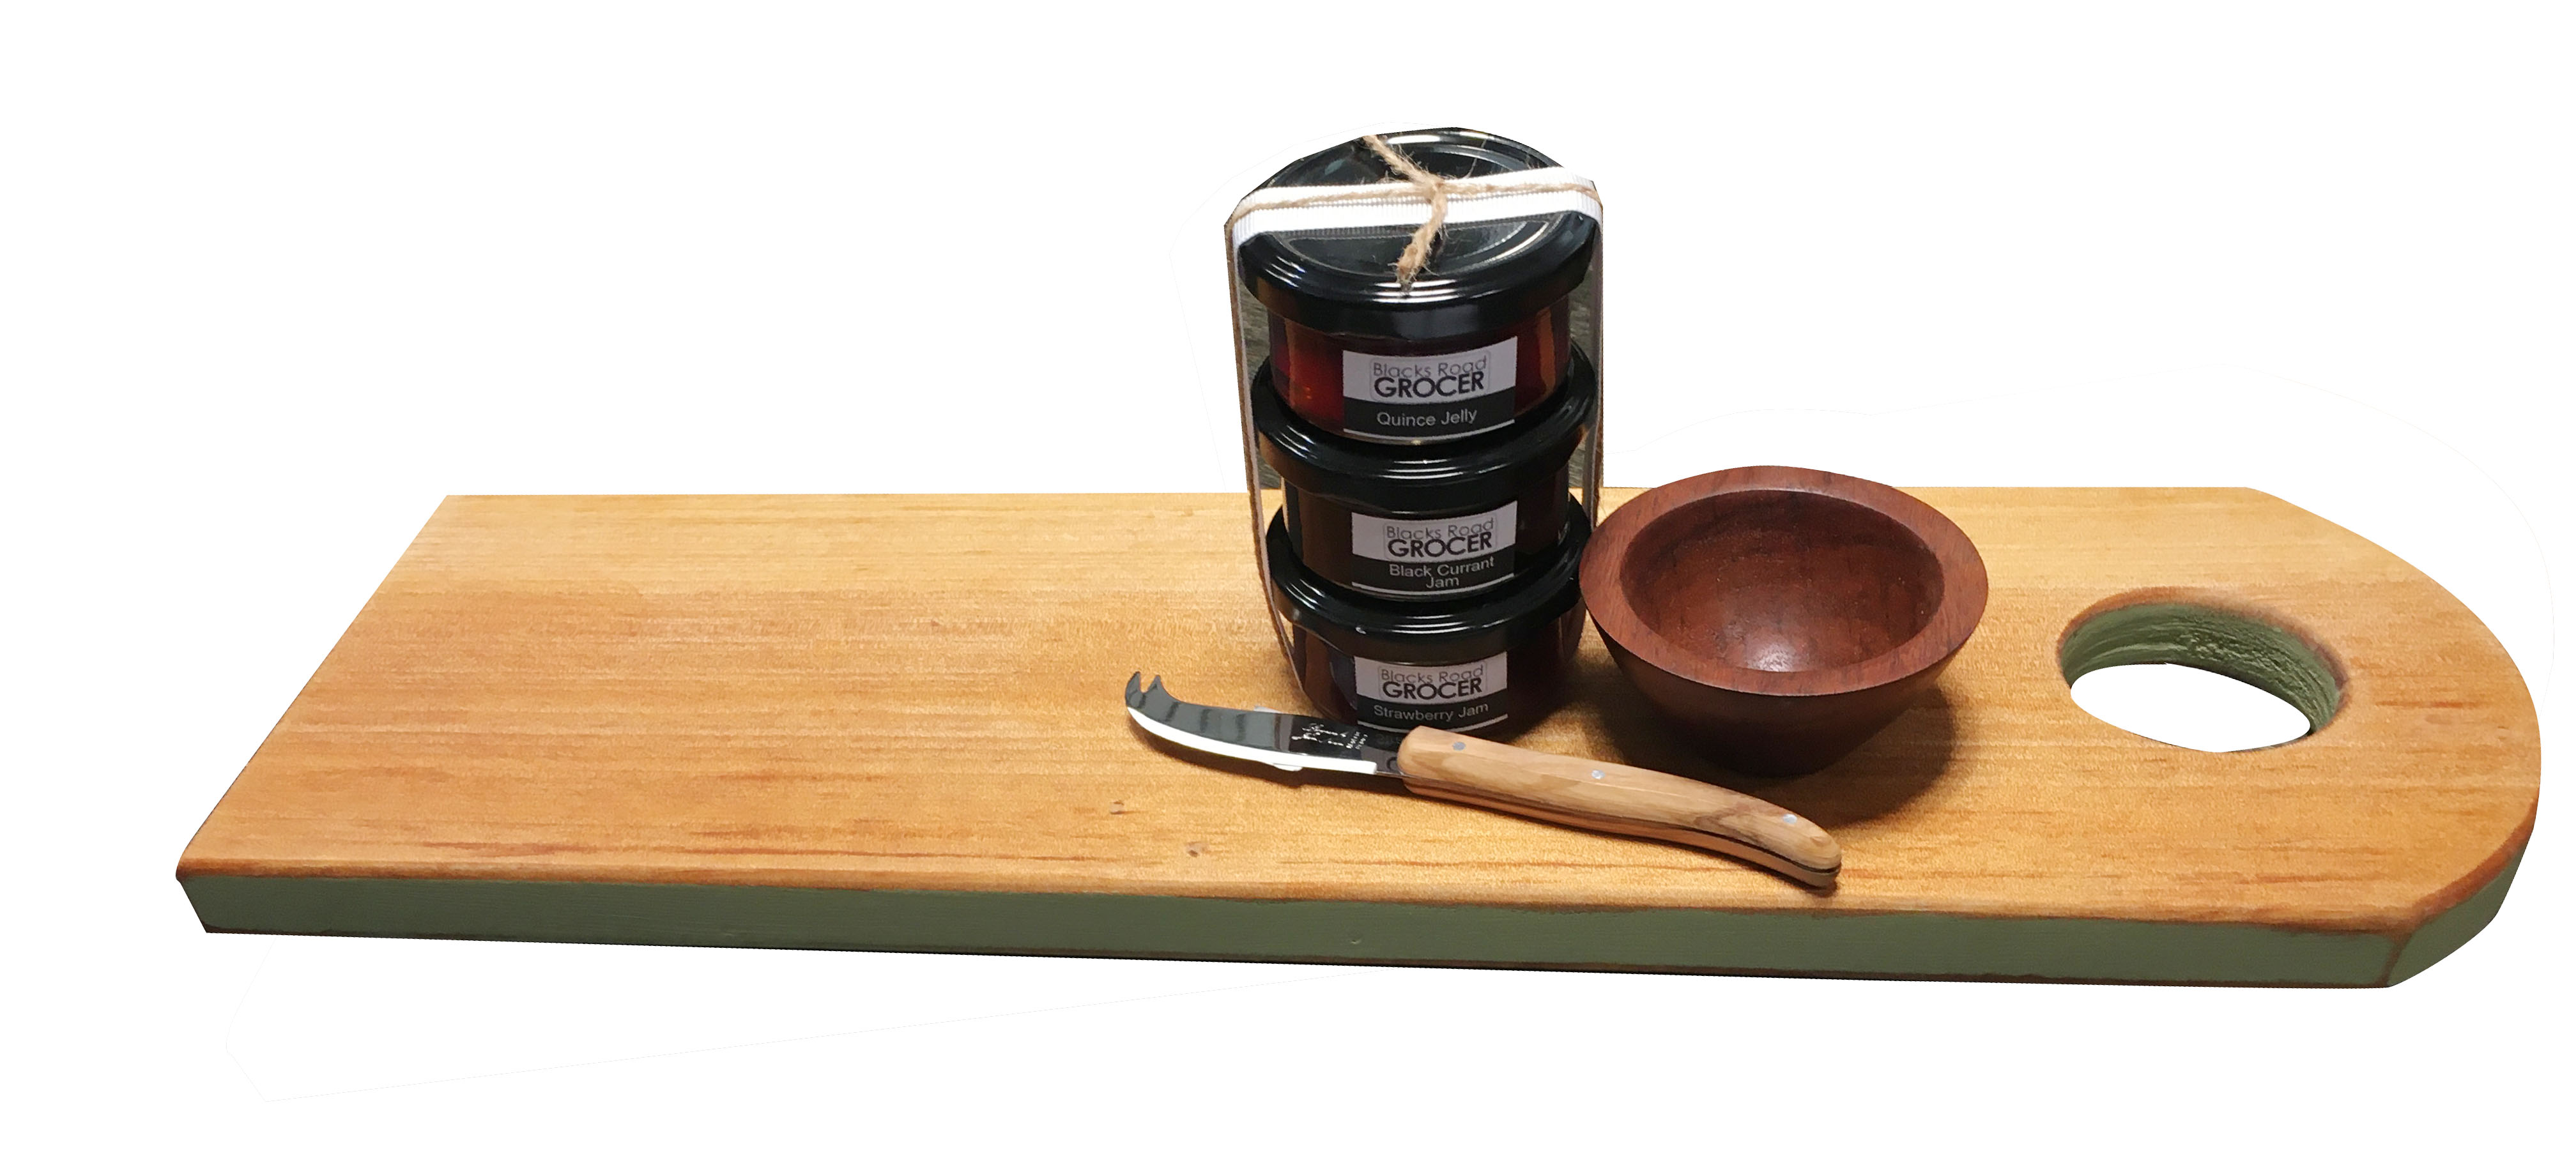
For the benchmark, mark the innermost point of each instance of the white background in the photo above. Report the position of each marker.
(274, 279)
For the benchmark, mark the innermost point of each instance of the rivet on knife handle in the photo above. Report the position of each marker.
(1618, 799)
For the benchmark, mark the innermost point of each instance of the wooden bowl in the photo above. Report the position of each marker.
(1781, 616)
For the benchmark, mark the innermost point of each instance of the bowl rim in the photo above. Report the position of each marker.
(1954, 619)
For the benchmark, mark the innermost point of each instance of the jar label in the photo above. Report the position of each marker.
(1416, 397)
(1440, 556)
(1456, 696)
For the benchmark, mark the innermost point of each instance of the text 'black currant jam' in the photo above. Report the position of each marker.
(1480, 336)
(1425, 521)
(1489, 664)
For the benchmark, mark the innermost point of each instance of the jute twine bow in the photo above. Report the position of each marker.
(1413, 184)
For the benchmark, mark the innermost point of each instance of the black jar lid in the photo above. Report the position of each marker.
(1482, 277)
(1411, 631)
(1472, 473)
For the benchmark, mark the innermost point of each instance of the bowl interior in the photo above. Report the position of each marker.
(1781, 580)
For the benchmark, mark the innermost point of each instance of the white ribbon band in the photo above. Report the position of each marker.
(1390, 204)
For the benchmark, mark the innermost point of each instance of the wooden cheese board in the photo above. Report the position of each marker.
(893, 722)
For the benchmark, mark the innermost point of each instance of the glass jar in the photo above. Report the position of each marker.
(1490, 664)
(1483, 333)
(1429, 521)
(1378, 389)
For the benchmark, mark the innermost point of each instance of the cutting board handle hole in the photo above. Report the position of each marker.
(2199, 671)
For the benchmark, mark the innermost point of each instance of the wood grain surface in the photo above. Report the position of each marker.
(1615, 798)
(1781, 616)
(920, 694)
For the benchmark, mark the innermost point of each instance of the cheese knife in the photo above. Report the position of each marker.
(1597, 795)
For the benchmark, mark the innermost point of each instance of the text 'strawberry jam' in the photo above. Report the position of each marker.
(1428, 521)
(1482, 334)
(1490, 664)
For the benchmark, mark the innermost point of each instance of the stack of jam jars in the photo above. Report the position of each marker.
(1424, 452)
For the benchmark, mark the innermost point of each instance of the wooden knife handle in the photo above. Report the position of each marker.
(1617, 799)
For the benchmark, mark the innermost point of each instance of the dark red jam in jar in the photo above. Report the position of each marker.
(1489, 664)
(1392, 391)
(1425, 522)
(1482, 333)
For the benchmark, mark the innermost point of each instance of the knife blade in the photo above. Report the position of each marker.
(1586, 794)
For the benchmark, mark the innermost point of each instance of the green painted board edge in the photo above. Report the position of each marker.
(1931, 946)
(2452, 929)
